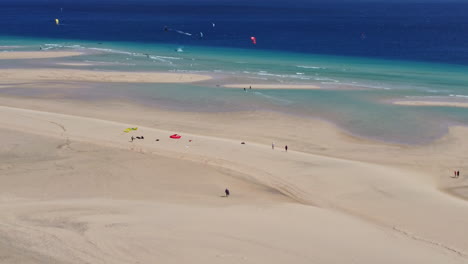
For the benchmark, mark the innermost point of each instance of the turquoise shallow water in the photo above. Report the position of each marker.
(362, 110)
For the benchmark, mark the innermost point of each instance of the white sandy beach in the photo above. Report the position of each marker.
(75, 189)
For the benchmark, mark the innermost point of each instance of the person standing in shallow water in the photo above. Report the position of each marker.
(226, 192)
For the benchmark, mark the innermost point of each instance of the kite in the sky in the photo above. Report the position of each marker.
(166, 28)
(254, 40)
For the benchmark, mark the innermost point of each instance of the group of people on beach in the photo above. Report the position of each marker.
(456, 174)
(245, 89)
(133, 138)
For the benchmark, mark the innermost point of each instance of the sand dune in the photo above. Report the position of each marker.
(60, 172)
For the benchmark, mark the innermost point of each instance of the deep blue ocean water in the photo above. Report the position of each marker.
(405, 30)
(390, 51)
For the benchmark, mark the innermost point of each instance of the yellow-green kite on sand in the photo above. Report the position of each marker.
(130, 129)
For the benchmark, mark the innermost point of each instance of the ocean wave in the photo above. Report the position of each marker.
(257, 78)
(52, 45)
(369, 86)
(157, 58)
(109, 63)
(169, 58)
(327, 80)
(112, 51)
(74, 46)
(458, 95)
(310, 67)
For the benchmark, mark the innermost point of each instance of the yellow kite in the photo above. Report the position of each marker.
(130, 129)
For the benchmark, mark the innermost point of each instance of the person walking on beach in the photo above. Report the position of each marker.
(286, 148)
(454, 174)
(226, 192)
(273, 145)
(132, 138)
(458, 174)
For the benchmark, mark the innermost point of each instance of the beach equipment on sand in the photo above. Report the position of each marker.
(130, 129)
(57, 22)
(175, 136)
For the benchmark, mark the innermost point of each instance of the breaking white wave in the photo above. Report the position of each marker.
(310, 67)
(458, 95)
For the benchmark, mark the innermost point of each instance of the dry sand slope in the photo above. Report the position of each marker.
(75, 190)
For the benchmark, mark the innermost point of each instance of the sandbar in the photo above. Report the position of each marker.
(275, 86)
(9, 47)
(432, 103)
(12, 55)
(75, 64)
(31, 75)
